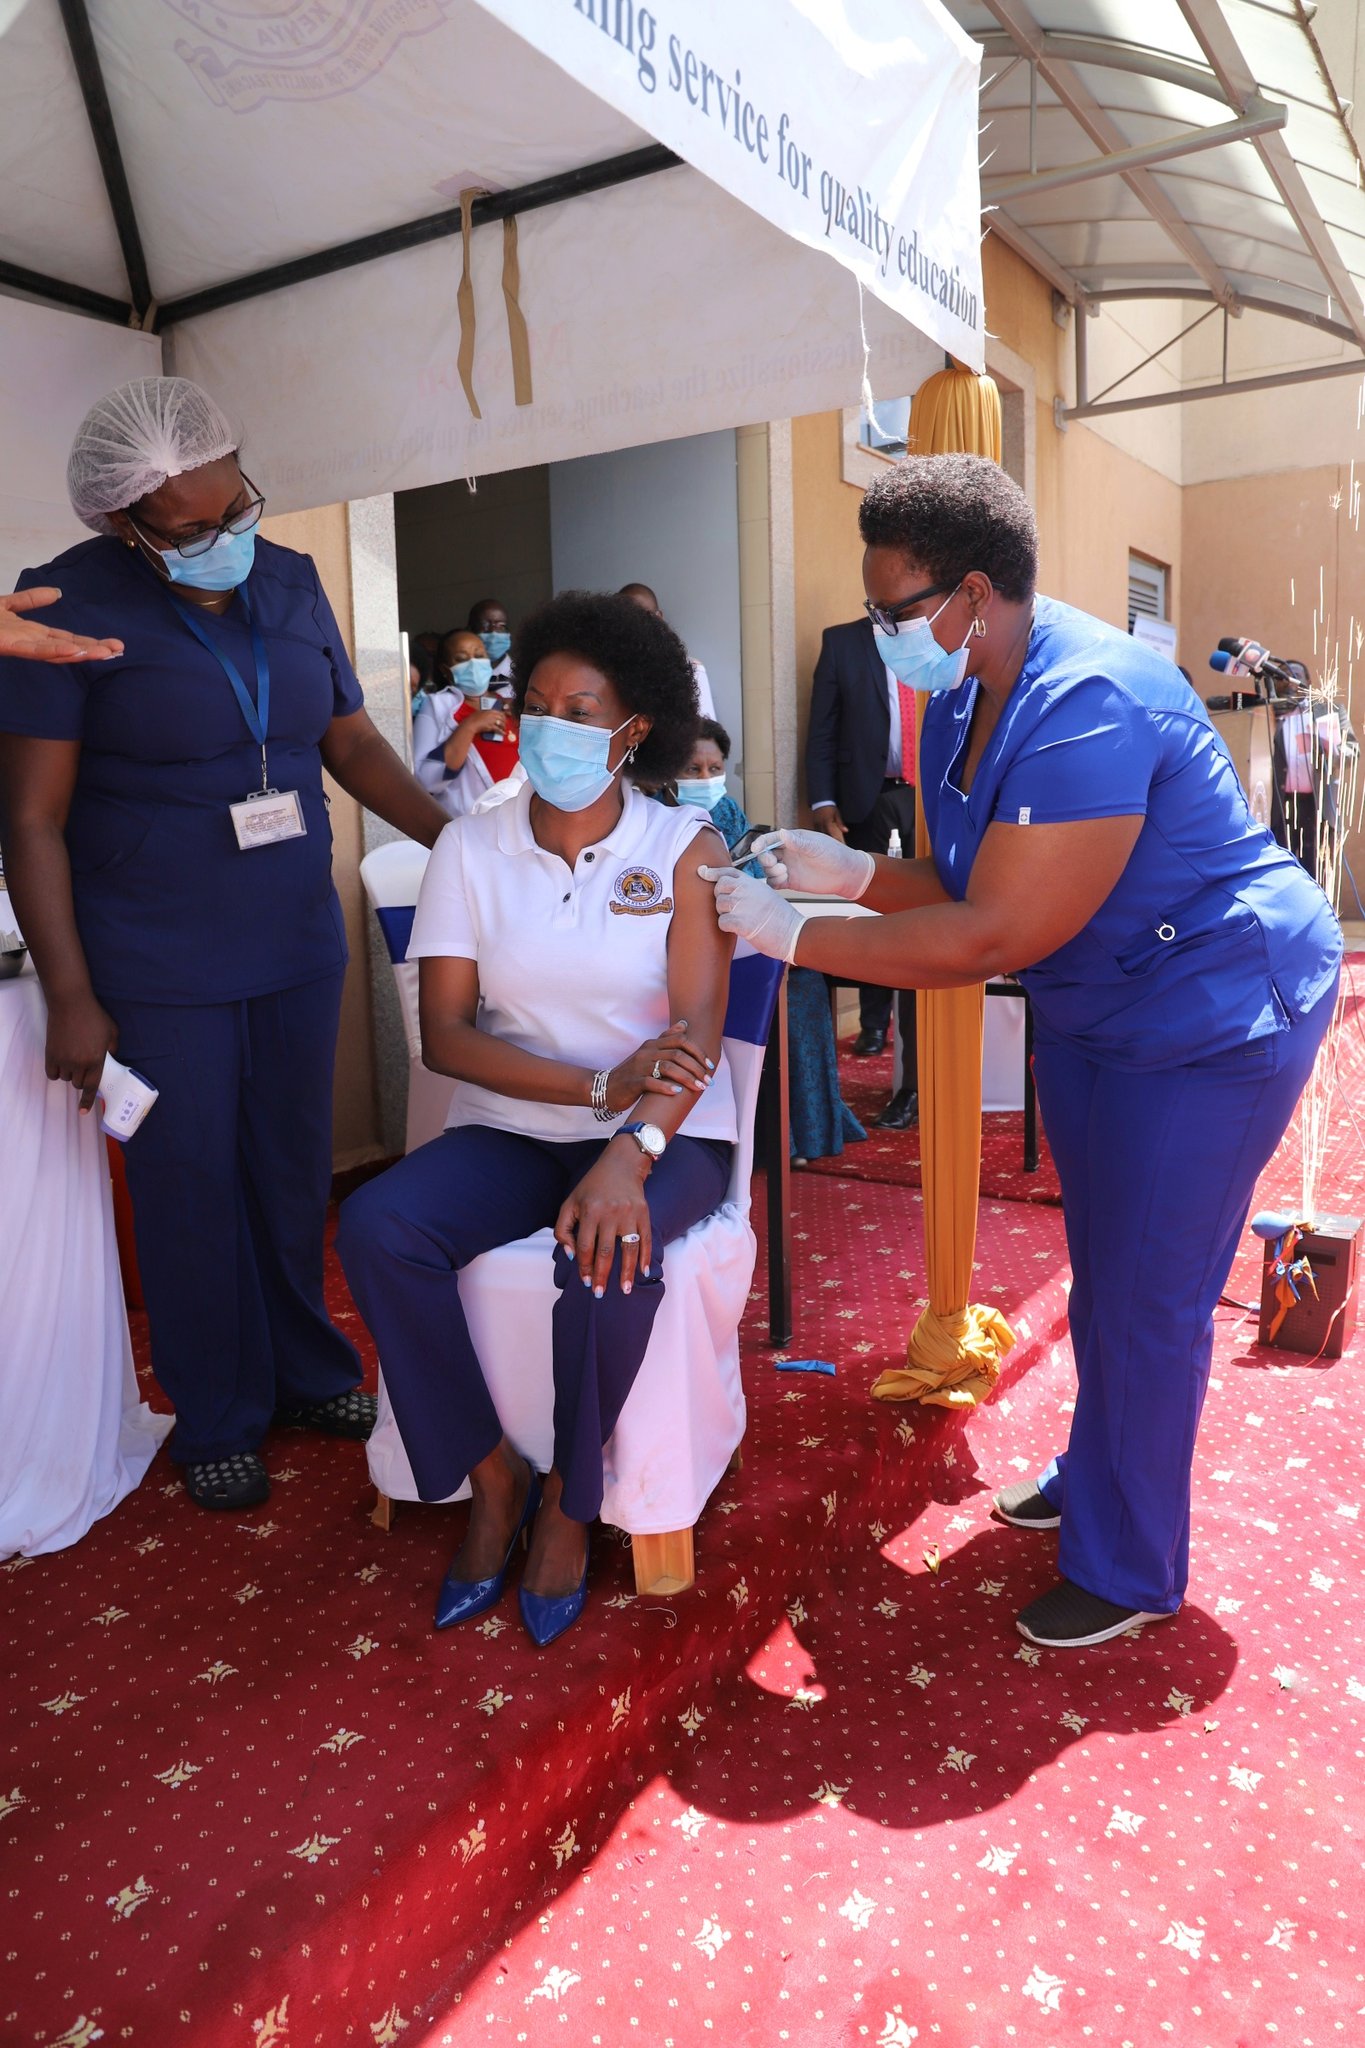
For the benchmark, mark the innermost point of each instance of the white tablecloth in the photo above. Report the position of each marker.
(74, 1437)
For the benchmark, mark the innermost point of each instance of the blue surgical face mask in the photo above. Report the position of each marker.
(222, 567)
(497, 645)
(473, 676)
(915, 658)
(706, 790)
(567, 763)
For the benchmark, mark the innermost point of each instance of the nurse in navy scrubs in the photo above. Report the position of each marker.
(1089, 833)
(167, 846)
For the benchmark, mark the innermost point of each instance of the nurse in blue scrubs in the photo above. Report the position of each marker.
(167, 846)
(1089, 833)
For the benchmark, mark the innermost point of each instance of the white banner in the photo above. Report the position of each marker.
(53, 366)
(849, 124)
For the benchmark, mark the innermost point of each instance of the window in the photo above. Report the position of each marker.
(884, 430)
(1146, 590)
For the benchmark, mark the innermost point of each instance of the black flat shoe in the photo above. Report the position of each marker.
(869, 1042)
(900, 1112)
(1026, 1507)
(351, 1414)
(1069, 1618)
(238, 1481)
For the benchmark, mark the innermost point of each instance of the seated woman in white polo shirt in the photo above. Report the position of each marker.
(574, 982)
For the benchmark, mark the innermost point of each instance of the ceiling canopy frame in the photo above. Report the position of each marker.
(1053, 58)
(1056, 58)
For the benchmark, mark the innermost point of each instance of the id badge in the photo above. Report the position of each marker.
(268, 815)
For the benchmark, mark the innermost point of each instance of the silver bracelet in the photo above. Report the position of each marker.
(597, 1097)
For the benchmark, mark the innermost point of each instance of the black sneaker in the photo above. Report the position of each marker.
(238, 1481)
(1026, 1507)
(1069, 1618)
(351, 1414)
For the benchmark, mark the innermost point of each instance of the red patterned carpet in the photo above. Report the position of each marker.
(251, 1799)
(892, 1158)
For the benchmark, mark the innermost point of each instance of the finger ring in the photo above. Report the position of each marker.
(655, 1075)
(630, 1237)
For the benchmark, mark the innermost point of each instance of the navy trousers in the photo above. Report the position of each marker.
(230, 1178)
(1157, 1173)
(403, 1239)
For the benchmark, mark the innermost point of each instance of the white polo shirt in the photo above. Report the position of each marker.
(573, 962)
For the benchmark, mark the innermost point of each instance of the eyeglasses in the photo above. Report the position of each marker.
(200, 543)
(888, 619)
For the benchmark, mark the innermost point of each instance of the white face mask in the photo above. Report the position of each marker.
(706, 790)
(915, 658)
(567, 763)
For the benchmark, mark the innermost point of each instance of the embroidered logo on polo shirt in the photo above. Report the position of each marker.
(639, 892)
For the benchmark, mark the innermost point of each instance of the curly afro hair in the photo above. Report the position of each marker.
(952, 514)
(641, 657)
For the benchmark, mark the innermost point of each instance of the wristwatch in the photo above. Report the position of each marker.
(648, 1137)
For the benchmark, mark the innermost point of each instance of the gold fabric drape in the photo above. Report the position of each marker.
(953, 1356)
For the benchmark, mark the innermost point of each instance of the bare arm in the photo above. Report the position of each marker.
(37, 782)
(1032, 888)
(608, 1205)
(455, 752)
(362, 761)
(903, 885)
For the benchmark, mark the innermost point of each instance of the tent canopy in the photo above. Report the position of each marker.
(1183, 149)
(274, 189)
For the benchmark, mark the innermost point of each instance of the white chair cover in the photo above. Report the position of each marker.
(1002, 1054)
(76, 1435)
(392, 875)
(685, 1415)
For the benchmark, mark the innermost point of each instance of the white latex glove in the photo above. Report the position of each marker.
(753, 911)
(815, 862)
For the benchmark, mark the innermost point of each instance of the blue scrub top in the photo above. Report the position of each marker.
(1213, 935)
(168, 906)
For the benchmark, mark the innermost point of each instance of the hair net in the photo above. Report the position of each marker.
(136, 437)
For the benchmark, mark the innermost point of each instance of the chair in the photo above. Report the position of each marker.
(391, 876)
(1007, 1061)
(685, 1417)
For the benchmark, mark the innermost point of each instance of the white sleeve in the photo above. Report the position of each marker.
(443, 926)
(705, 701)
(431, 728)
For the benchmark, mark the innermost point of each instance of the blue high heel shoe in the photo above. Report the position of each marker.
(462, 1599)
(544, 1619)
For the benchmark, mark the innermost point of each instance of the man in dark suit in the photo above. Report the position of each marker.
(860, 783)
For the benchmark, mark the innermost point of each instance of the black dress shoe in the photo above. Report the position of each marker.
(900, 1112)
(868, 1042)
(351, 1414)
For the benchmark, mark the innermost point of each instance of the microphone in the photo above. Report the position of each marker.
(1245, 657)
(1224, 664)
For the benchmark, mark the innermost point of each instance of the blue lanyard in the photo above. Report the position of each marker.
(257, 715)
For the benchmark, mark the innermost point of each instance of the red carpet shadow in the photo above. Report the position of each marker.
(940, 1710)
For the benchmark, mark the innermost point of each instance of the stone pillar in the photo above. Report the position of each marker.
(374, 602)
(767, 596)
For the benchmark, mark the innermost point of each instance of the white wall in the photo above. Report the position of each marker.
(53, 366)
(666, 515)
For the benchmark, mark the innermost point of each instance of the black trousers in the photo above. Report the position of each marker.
(893, 810)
